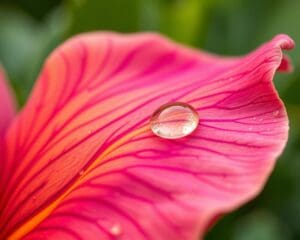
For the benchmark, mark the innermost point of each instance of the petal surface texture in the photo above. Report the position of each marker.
(7, 104)
(82, 162)
(7, 113)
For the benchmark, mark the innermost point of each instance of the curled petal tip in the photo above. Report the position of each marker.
(284, 41)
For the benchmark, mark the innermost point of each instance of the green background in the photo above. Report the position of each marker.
(30, 29)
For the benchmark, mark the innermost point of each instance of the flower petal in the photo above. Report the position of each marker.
(7, 104)
(82, 162)
(7, 112)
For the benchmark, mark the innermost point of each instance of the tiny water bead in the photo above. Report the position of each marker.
(276, 113)
(174, 120)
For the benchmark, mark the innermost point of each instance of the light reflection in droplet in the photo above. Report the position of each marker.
(116, 230)
(174, 120)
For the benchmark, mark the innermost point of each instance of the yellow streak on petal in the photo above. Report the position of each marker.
(31, 223)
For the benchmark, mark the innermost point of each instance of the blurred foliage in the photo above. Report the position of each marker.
(30, 29)
(25, 43)
(118, 15)
(36, 9)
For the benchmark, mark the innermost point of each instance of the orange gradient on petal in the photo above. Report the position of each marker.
(38, 218)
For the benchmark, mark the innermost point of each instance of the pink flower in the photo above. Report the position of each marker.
(80, 161)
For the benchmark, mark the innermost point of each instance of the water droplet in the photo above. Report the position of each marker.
(276, 113)
(116, 230)
(174, 120)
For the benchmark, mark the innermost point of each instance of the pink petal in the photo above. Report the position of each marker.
(7, 104)
(7, 112)
(82, 162)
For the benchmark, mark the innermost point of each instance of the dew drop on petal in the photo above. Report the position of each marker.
(116, 230)
(174, 120)
(276, 113)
